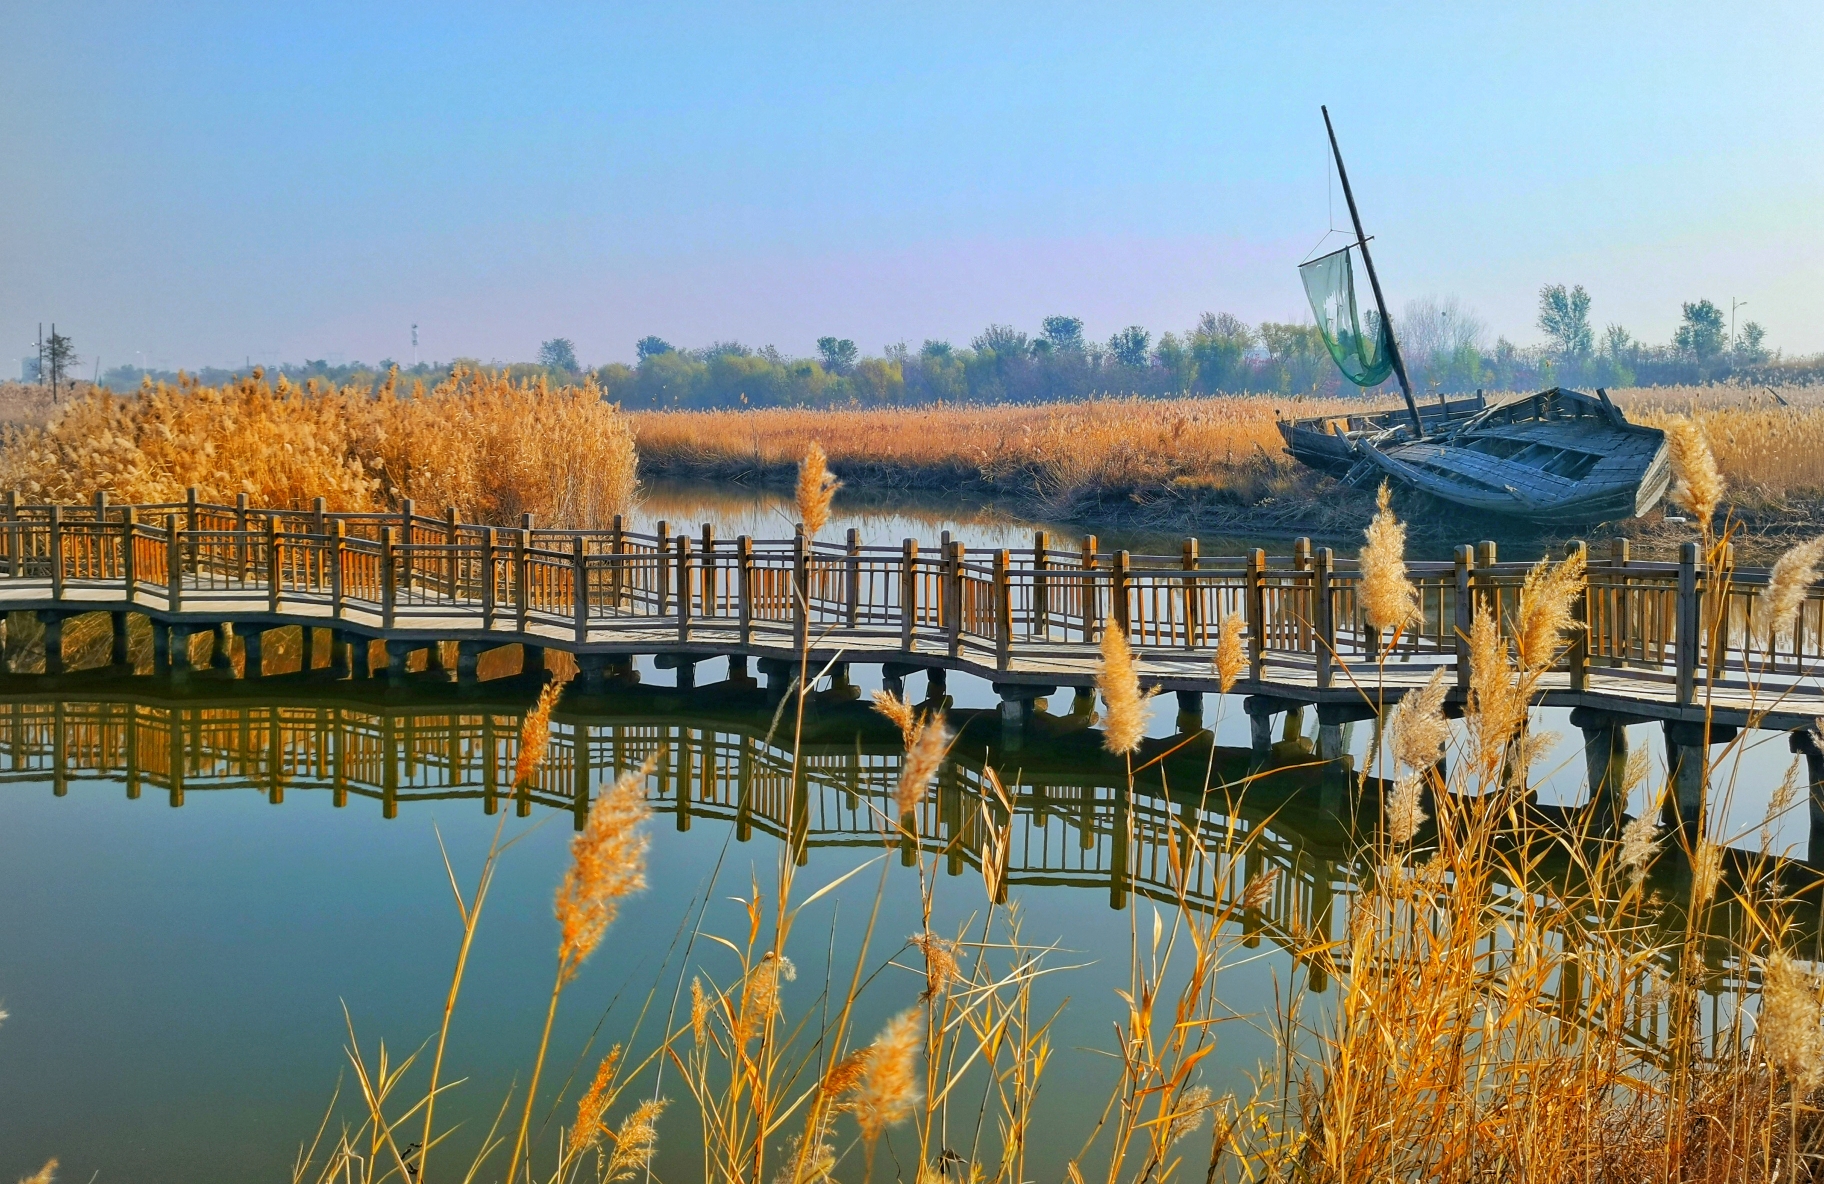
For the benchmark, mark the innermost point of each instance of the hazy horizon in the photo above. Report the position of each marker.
(199, 186)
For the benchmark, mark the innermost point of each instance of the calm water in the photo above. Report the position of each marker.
(177, 977)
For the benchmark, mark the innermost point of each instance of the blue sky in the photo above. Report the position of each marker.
(196, 185)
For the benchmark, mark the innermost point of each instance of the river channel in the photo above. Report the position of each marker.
(202, 889)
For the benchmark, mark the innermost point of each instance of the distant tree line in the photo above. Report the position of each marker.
(1445, 346)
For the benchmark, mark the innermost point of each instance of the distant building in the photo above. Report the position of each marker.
(28, 369)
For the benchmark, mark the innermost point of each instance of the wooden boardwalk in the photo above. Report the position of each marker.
(1664, 641)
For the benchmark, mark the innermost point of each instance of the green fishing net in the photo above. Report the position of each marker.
(1357, 342)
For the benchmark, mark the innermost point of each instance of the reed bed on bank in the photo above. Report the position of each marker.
(490, 447)
(1217, 443)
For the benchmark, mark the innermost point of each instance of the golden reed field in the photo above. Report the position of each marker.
(1761, 446)
(492, 448)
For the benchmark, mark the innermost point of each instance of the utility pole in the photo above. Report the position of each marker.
(1733, 305)
(414, 346)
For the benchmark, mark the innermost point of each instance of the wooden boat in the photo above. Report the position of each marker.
(1559, 457)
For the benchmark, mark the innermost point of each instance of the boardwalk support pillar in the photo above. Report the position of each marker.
(686, 666)
(53, 641)
(1688, 757)
(468, 663)
(592, 672)
(181, 666)
(1261, 709)
(1809, 743)
(252, 665)
(893, 676)
(1605, 758)
(778, 674)
(396, 654)
(118, 654)
(1190, 710)
(161, 648)
(1018, 703)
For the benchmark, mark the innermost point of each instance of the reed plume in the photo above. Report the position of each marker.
(607, 864)
(887, 1087)
(1259, 890)
(1420, 729)
(1404, 813)
(1639, 843)
(1697, 485)
(941, 964)
(1119, 682)
(43, 1175)
(817, 486)
(899, 712)
(1779, 803)
(1230, 660)
(535, 735)
(1777, 606)
(1791, 1028)
(1187, 1117)
(925, 753)
(635, 1141)
(699, 1011)
(1547, 600)
(1706, 870)
(593, 1104)
(1388, 598)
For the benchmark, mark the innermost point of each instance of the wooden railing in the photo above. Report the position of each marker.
(1665, 629)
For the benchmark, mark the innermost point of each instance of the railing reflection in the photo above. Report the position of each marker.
(1085, 830)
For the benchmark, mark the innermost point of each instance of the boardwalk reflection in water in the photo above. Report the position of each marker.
(1073, 821)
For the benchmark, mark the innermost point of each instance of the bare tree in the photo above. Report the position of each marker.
(59, 358)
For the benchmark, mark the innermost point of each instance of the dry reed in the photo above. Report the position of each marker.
(1118, 680)
(925, 750)
(817, 487)
(1789, 582)
(1388, 599)
(1230, 660)
(535, 735)
(1697, 485)
(43, 1175)
(491, 448)
(886, 1087)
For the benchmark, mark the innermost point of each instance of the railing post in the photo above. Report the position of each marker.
(1323, 607)
(1256, 603)
(953, 596)
(174, 566)
(522, 538)
(1092, 616)
(706, 574)
(1466, 611)
(1003, 611)
(318, 516)
(452, 564)
(1686, 625)
(243, 546)
(1577, 656)
(488, 588)
(1621, 615)
(14, 565)
(854, 576)
(662, 574)
(1193, 604)
(579, 584)
(1041, 596)
(388, 578)
(275, 573)
(406, 537)
(801, 590)
(56, 552)
(1117, 594)
(684, 563)
(129, 566)
(337, 550)
(617, 548)
(744, 582)
(192, 520)
(908, 592)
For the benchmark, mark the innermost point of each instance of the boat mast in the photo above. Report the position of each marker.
(1374, 281)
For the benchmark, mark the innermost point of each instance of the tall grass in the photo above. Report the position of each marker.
(492, 448)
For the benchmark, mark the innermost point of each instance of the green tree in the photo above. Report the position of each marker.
(1565, 318)
(1751, 347)
(1064, 333)
(838, 353)
(59, 359)
(559, 354)
(650, 346)
(1704, 332)
(1003, 341)
(1218, 345)
(1131, 346)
